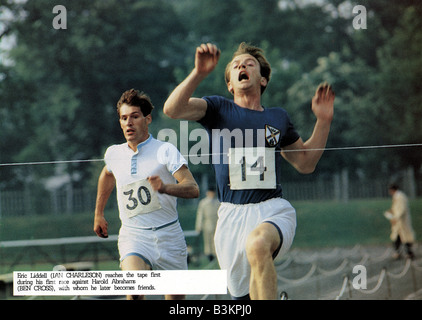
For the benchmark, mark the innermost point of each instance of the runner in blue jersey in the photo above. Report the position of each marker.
(248, 140)
(269, 128)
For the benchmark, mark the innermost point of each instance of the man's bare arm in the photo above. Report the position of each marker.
(185, 188)
(106, 184)
(304, 156)
(180, 104)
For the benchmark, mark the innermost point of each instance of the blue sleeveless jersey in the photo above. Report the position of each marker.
(230, 127)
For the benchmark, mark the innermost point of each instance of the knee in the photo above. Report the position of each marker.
(258, 249)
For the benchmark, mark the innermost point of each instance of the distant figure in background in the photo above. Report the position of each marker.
(206, 221)
(401, 222)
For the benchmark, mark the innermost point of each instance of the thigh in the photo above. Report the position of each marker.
(140, 244)
(134, 262)
(233, 227)
(282, 216)
(172, 253)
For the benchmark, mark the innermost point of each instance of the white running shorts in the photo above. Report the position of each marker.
(235, 223)
(162, 248)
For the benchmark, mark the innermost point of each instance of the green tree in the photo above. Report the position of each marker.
(57, 97)
(61, 90)
(399, 92)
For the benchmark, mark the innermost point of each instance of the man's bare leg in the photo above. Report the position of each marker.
(137, 263)
(134, 263)
(260, 246)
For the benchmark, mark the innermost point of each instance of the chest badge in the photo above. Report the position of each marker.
(272, 135)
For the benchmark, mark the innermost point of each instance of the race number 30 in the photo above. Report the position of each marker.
(138, 198)
(252, 168)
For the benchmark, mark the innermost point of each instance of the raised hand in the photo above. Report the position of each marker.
(323, 102)
(206, 58)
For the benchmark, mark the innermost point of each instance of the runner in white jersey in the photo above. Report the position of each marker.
(149, 175)
(255, 222)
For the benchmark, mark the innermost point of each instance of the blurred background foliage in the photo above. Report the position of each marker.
(59, 88)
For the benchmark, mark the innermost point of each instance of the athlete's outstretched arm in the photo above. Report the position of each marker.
(180, 104)
(299, 154)
(106, 184)
(185, 188)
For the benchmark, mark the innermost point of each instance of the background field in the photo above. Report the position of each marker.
(327, 234)
(329, 223)
(320, 224)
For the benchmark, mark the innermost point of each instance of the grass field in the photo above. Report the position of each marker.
(328, 224)
(320, 224)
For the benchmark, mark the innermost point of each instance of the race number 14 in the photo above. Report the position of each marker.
(252, 168)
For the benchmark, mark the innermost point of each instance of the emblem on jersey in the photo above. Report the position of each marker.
(272, 135)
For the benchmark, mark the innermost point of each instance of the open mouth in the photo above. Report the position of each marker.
(243, 76)
(130, 131)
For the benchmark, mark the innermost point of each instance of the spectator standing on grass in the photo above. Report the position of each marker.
(401, 222)
(149, 175)
(206, 221)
